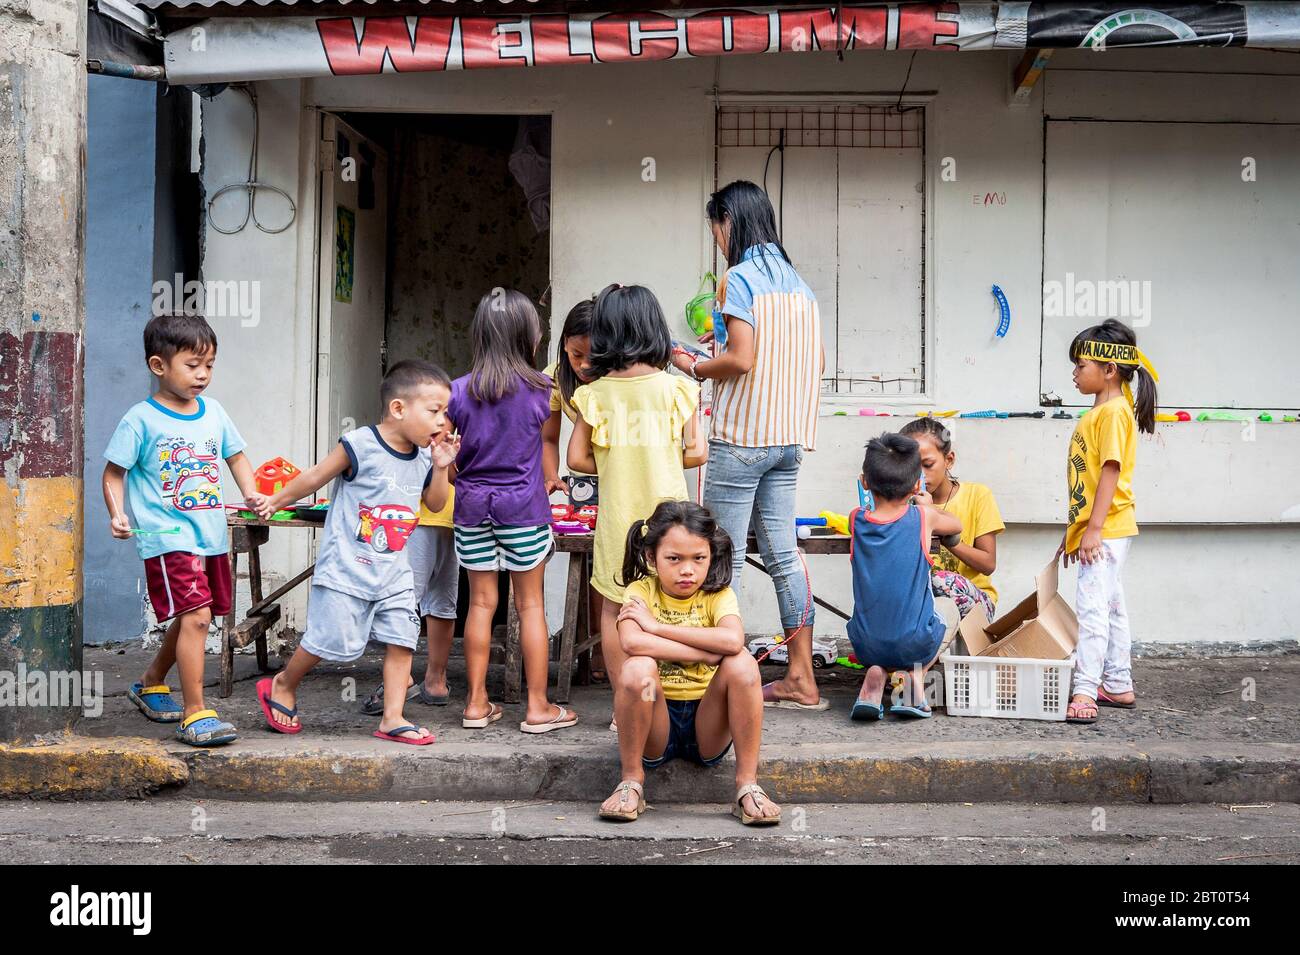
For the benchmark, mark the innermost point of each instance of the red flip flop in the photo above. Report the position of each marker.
(264, 700)
(393, 737)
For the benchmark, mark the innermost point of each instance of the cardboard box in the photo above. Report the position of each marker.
(1040, 627)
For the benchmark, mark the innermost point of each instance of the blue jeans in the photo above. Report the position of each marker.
(759, 484)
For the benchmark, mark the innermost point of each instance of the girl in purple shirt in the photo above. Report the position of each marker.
(502, 515)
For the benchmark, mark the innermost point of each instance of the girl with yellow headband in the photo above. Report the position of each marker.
(1102, 519)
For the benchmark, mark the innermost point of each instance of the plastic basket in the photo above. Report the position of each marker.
(1010, 687)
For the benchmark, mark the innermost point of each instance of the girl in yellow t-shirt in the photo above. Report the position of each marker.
(1102, 521)
(636, 429)
(964, 563)
(687, 687)
(569, 372)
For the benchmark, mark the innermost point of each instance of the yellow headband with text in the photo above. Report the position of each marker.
(1120, 355)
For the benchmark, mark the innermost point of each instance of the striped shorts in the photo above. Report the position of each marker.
(497, 547)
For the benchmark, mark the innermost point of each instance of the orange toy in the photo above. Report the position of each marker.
(274, 475)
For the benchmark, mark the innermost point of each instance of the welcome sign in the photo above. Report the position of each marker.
(227, 50)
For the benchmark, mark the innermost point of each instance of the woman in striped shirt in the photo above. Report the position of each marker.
(767, 372)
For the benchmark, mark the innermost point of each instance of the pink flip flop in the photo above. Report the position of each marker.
(1105, 699)
(393, 737)
(267, 704)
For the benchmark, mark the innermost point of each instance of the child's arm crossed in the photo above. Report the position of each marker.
(580, 456)
(640, 634)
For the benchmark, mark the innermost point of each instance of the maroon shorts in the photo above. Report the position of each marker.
(180, 582)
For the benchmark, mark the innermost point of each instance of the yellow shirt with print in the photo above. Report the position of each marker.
(975, 506)
(1107, 432)
(684, 681)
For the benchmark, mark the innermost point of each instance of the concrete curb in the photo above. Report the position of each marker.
(345, 769)
(81, 767)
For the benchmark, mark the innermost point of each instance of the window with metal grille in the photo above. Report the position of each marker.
(848, 185)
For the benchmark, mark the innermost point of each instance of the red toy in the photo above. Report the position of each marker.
(274, 475)
(567, 514)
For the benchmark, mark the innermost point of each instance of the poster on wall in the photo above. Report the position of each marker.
(288, 47)
(345, 249)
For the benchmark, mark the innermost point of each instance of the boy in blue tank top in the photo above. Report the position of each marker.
(895, 625)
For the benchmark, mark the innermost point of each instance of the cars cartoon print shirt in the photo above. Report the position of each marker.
(374, 507)
(173, 479)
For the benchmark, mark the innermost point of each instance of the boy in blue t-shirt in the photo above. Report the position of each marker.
(895, 626)
(165, 460)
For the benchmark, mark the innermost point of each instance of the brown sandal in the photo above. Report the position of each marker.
(738, 810)
(626, 815)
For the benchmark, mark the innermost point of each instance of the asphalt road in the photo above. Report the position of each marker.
(176, 830)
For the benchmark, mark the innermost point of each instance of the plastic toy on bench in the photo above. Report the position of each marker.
(272, 476)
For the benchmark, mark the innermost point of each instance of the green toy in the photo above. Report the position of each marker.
(699, 310)
(846, 662)
(1219, 416)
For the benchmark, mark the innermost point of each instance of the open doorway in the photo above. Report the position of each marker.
(421, 215)
(469, 210)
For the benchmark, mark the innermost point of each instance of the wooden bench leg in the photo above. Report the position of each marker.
(575, 595)
(228, 635)
(255, 589)
(514, 652)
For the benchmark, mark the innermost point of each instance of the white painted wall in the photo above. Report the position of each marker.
(1213, 537)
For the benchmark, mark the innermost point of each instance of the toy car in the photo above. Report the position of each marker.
(386, 527)
(205, 495)
(185, 464)
(824, 652)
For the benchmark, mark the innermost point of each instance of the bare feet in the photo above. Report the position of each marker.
(800, 692)
(285, 698)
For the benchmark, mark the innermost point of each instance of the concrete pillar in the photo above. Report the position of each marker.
(42, 153)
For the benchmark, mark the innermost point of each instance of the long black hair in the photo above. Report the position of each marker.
(753, 221)
(643, 539)
(577, 324)
(628, 328)
(505, 333)
(1117, 333)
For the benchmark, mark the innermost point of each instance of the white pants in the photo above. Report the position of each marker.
(1103, 653)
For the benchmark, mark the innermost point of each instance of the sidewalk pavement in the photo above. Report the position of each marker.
(1193, 739)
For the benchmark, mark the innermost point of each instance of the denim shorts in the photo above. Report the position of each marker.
(681, 738)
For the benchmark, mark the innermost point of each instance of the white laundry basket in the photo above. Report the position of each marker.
(1011, 687)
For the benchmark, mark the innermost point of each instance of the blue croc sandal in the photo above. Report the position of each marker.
(155, 702)
(205, 729)
(863, 711)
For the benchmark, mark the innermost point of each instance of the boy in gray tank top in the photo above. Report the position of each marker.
(362, 588)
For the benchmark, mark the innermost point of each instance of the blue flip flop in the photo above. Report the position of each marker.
(922, 712)
(205, 729)
(863, 711)
(155, 702)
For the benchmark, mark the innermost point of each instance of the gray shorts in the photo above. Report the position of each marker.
(436, 572)
(340, 625)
